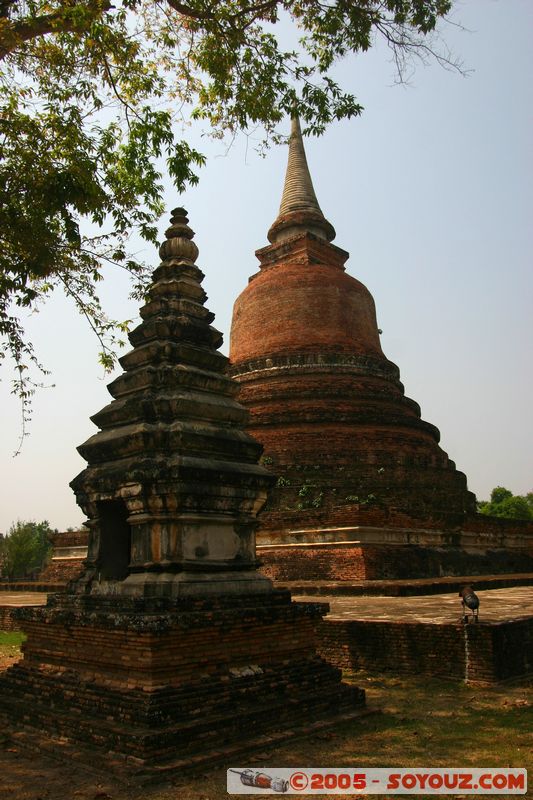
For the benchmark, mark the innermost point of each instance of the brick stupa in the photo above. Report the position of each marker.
(364, 490)
(172, 650)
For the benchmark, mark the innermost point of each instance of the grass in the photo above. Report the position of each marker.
(10, 642)
(422, 722)
(12, 638)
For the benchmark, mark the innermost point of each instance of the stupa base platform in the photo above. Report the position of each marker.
(133, 771)
(156, 686)
(374, 553)
(430, 636)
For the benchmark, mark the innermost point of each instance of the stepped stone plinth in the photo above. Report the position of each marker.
(171, 650)
(364, 490)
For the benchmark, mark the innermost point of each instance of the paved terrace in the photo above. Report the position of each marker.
(23, 598)
(496, 605)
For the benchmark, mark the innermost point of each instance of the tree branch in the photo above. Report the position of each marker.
(256, 11)
(64, 20)
(187, 11)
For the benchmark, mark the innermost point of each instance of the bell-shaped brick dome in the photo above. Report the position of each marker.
(325, 402)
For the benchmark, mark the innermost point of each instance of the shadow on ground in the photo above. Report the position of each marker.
(422, 722)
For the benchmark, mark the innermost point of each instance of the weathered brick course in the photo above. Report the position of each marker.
(157, 681)
(7, 623)
(484, 653)
(349, 562)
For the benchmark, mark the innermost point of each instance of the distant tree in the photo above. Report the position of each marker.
(504, 504)
(25, 548)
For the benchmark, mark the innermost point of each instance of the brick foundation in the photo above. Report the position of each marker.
(61, 570)
(485, 653)
(7, 623)
(152, 685)
(348, 562)
(69, 553)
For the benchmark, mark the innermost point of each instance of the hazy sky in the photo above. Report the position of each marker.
(430, 191)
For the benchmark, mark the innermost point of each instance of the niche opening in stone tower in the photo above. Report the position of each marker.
(115, 540)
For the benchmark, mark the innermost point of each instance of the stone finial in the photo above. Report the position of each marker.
(299, 210)
(179, 244)
(298, 192)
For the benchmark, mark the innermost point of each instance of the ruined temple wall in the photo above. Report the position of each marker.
(378, 549)
(348, 562)
(499, 527)
(280, 525)
(61, 570)
(484, 653)
(69, 549)
(7, 623)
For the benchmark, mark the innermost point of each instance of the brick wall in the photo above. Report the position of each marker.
(334, 562)
(154, 680)
(61, 570)
(282, 310)
(512, 648)
(69, 539)
(349, 562)
(7, 623)
(149, 660)
(476, 652)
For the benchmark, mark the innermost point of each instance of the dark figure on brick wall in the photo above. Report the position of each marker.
(469, 599)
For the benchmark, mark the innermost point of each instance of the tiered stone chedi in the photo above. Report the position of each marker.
(171, 649)
(358, 470)
(173, 486)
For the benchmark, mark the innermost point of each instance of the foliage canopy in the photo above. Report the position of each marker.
(24, 549)
(90, 94)
(504, 504)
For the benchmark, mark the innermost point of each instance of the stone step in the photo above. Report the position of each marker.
(172, 705)
(221, 753)
(232, 720)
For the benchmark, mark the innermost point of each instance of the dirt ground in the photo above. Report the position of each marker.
(8, 656)
(426, 722)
